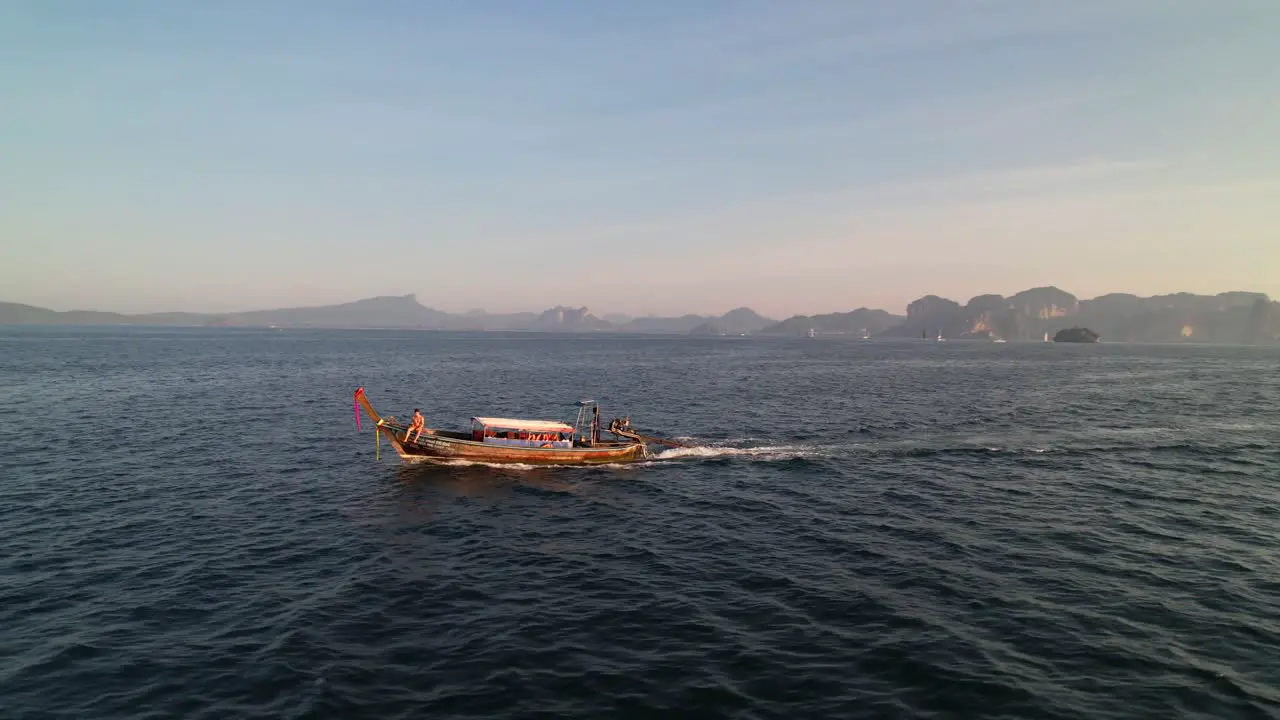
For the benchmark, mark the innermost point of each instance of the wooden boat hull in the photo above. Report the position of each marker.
(439, 447)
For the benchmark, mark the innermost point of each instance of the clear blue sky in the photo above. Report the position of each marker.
(634, 156)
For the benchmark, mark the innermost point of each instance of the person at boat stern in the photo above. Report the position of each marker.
(415, 427)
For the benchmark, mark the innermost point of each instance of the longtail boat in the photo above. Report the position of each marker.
(515, 441)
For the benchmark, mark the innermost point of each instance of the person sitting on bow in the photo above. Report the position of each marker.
(416, 427)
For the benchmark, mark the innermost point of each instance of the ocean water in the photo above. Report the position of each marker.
(192, 527)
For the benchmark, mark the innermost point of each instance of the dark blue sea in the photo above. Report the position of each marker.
(191, 527)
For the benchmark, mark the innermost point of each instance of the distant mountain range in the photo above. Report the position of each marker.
(1232, 317)
(856, 322)
(401, 312)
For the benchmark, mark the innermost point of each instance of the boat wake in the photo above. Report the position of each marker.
(764, 452)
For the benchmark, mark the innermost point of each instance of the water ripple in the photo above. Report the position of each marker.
(862, 530)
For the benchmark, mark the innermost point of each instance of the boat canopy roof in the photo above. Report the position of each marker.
(514, 424)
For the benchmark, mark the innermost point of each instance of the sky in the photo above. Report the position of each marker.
(652, 157)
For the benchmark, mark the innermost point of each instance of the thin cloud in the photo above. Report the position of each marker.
(768, 34)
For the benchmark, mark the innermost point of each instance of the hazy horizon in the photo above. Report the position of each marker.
(644, 159)
(602, 312)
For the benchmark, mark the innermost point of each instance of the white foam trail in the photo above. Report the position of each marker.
(766, 452)
(517, 467)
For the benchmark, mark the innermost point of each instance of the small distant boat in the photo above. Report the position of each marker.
(999, 339)
(1046, 336)
(865, 335)
(813, 333)
(512, 440)
(939, 338)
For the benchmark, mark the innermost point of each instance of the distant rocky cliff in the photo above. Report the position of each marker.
(567, 319)
(1234, 317)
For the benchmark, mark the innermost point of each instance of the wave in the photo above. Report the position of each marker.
(763, 452)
